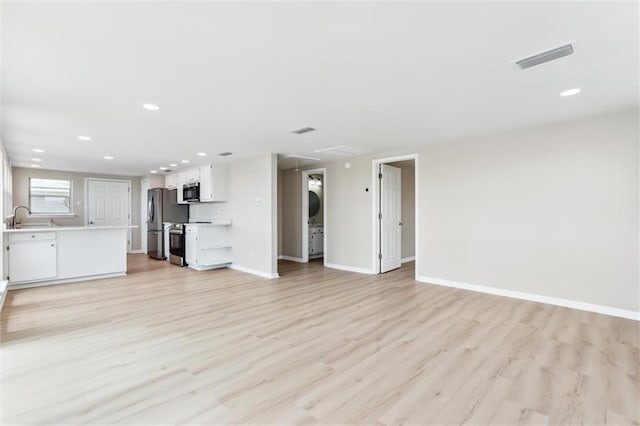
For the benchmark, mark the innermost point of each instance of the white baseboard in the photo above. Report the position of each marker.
(67, 280)
(254, 271)
(291, 258)
(408, 259)
(137, 252)
(350, 268)
(583, 306)
(3, 292)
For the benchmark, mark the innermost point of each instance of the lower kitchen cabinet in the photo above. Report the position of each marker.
(32, 257)
(207, 246)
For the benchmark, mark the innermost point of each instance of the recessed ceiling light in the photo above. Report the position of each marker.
(35, 165)
(570, 92)
(84, 138)
(108, 157)
(151, 107)
(153, 171)
(202, 154)
(185, 161)
(173, 165)
(163, 168)
(36, 159)
(40, 150)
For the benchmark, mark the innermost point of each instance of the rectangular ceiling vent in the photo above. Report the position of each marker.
(303, 130)
(224, 154)
(549, 55)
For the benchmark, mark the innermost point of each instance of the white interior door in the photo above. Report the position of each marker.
(391, 218)
(108, 203)
(144, 195)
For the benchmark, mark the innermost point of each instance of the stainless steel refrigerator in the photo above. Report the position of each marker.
(162, 206)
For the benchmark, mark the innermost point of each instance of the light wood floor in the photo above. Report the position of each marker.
(166, 345)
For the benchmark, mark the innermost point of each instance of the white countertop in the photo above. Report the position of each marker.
(66, 228)
(225, 222)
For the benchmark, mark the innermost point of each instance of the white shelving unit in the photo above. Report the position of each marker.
(208, 246)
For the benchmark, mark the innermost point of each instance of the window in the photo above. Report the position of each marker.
(50, 196)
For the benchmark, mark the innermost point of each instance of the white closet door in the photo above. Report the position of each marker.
(391, 221)
(108, 203)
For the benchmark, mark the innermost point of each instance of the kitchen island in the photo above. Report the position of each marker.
(36, 256)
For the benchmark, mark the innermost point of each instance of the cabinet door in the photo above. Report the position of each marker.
(193, 175)
(181, 180)
(206, 183)
(32, 261)
(171, 181)
(191, 245)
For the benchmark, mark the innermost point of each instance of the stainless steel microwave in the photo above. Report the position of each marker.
(191, 192)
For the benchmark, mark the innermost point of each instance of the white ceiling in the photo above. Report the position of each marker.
(238, 76)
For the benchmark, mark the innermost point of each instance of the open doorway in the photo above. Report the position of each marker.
(313, 214)
(394, 209)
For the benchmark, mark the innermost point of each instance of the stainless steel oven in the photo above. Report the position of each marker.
(177, 244)
(191, 192)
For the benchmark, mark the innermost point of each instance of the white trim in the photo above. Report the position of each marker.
(66, 280)
(350, 269)
(144, 227)
(253, 271)
(408, 259)
(574, 304)
(138, 251)
(305, 211)
(291, 258)
(376, 202)
(86, 205)
(3, 292)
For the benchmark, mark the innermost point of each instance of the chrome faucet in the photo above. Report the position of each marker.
(15, 209)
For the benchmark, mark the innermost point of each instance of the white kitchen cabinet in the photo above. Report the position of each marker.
(192, 175)
(171, 181)
(32, 257)
(181, 180)
(316, 241)
(213, 182)
(207, 246)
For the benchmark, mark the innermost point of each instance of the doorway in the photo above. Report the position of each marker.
(108, 203)
(314, 214)
(395, 212)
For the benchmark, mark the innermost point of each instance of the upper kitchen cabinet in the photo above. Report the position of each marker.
(210, 181)
(213, 182)
(192, 175)
(171, 181)
(181, 180)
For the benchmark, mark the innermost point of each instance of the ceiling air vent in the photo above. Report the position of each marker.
(303, 130)
(549, 55)
(224, 154)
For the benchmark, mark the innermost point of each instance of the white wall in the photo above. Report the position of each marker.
(551, 211)
(252, 205)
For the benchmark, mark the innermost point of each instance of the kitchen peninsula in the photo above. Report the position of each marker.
(36, 256)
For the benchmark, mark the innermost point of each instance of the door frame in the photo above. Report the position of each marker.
(86, 204)
(144, 198)
(305, 212)
(375, 207)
